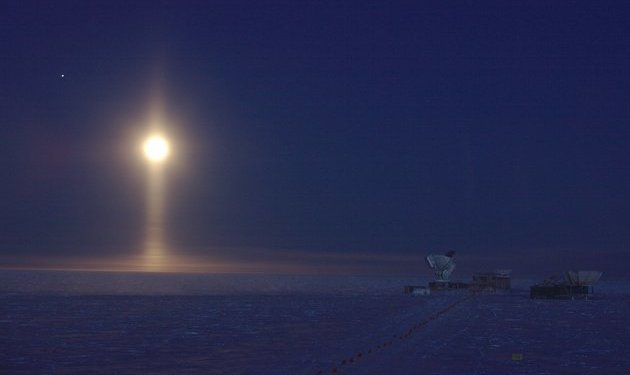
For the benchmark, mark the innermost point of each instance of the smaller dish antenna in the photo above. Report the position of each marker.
(582, 278)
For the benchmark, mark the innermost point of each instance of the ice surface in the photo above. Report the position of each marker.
(130, 323)
(138, 283)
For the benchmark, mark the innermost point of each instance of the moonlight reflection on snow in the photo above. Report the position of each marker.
(166, 323)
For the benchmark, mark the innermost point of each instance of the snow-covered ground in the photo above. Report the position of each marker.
(64, 322)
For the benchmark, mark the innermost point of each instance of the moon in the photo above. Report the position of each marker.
(156, 148)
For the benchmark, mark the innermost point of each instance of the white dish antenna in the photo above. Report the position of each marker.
(582, 278)
(503, 272)
(442, 265)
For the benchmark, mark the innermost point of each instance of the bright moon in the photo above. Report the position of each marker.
(156, 148)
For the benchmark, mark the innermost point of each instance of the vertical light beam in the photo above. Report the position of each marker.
(156, 150)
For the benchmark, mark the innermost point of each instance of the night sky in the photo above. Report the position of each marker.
(320, 132)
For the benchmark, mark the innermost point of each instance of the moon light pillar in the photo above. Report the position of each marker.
(156, 149)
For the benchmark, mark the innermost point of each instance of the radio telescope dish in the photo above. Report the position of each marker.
(442, 265)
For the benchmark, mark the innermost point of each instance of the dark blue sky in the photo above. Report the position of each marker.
(321, 127)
